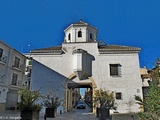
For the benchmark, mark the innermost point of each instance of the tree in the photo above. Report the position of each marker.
(151, 104)
(155, 72)
(104, 99)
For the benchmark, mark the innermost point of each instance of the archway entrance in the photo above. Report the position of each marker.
(73, 85)
(78, 92)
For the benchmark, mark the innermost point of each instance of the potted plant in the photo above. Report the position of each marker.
(103, 100)
(28, 105)
(51, 102)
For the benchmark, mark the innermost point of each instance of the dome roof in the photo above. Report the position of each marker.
(79, 23)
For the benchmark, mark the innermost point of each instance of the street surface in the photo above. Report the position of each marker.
(75, 114)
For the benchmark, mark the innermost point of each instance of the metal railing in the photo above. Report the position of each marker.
(17, 83)
(18, 65)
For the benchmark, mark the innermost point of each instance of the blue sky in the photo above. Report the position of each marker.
(31, 24)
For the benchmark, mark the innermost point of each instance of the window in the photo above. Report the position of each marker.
(69, 36)
(115, 70)
(91, 36)
(30, 62)
(14, 79)
(79, 33)
(16, 62)
(1, 52)
(118, 95)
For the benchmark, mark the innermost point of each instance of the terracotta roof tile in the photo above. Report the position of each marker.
(117, 47)
(48, 50)
(102, 49)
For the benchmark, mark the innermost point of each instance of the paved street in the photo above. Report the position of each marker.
(76, 114)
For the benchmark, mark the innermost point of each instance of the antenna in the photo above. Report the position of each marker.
(28, 47)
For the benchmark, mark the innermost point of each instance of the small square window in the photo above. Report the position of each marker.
(115, 70)
(118, 95)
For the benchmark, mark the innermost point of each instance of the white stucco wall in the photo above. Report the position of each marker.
(129, 83)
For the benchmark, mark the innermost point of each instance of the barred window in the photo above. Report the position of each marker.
(118, 95)
(115, 70)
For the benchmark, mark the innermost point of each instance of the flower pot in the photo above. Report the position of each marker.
(50, 112)
(29, 115)
(104, 114)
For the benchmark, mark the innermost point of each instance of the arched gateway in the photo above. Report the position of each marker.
(72, 87)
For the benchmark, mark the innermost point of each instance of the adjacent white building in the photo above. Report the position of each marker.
(81, 60)
(12, 72)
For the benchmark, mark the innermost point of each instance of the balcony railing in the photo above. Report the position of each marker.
(18, 66)
(3, 59)
(17, 83)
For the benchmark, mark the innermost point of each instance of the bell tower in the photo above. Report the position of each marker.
(80, 32)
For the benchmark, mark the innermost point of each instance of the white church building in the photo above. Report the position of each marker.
(81, 61)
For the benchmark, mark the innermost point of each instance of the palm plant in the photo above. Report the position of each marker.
(29, 100)
(51, 102)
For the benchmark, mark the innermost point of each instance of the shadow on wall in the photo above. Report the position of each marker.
(47, 80)
(86, 67)
(89, 62)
